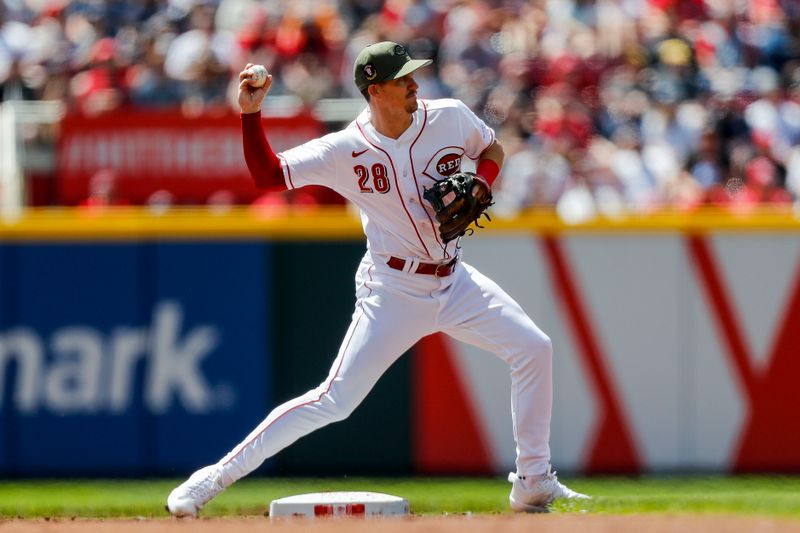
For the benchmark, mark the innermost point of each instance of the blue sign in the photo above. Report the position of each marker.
(131, 358)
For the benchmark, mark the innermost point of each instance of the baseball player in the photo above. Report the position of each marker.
(410, 283)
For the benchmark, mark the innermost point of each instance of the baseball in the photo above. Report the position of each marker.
(258, 75)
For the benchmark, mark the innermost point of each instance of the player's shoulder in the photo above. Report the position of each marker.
(445, 105)
(329, 145)
(343, 137)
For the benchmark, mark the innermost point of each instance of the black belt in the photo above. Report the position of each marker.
(439, 270)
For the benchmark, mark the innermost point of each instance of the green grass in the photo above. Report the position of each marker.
(768, 496)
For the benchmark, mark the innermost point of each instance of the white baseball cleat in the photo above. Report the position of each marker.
(533, 494)
(191, 495)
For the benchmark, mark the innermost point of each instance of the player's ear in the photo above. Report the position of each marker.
(373, 90)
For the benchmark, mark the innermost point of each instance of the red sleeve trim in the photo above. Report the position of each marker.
(262, 162)
(488, 169)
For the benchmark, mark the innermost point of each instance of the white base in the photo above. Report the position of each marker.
(338, 504)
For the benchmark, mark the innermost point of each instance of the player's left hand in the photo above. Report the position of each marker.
(250, 98)
(481, 190)
(459, 200)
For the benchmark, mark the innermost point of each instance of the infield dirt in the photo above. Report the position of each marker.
(440, 524)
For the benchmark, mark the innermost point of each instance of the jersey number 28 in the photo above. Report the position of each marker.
(379, 178)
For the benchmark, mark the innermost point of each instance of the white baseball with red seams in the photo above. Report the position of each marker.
(385, 178)
(258, 75)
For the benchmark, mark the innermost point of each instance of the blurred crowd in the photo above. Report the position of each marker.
(602, 106)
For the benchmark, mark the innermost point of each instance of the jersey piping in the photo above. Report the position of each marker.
(397, 187)
(414, 175)
(288, 171)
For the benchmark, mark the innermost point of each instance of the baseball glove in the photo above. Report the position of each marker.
(455, 204)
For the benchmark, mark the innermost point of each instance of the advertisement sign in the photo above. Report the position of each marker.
(130, 358)
(150, 151)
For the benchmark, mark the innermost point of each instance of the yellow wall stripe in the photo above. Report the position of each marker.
(342, 224)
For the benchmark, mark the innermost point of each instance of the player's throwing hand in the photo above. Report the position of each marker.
(251, 97)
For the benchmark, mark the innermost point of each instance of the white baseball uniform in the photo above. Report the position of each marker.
(385, 178)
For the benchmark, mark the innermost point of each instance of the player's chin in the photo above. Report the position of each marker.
(412, 105)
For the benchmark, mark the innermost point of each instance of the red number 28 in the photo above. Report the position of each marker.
(380, 178)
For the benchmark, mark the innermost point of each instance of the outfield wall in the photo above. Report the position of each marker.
(674, 351)
(136, 345)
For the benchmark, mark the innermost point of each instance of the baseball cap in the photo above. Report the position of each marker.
(384, 61)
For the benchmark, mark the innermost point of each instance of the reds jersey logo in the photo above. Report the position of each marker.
(448, 164)
(444, 162)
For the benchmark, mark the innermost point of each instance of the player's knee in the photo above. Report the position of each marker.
(531, 351)
(339, 408)
(341, 412)
(536, 346)
(543, 347)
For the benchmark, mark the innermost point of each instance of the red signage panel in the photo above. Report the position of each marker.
(149, 151)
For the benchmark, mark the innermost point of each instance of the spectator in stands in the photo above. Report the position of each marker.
(15, 85)
(103, 191)
(199, 59)
(103, 86)
(150, 87)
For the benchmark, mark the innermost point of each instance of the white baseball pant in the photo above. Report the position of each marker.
(394, 309)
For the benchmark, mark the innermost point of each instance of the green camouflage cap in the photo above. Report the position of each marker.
(384, 61)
